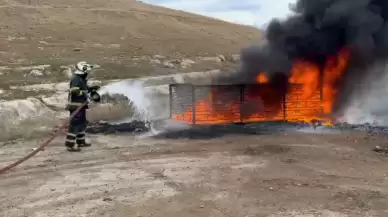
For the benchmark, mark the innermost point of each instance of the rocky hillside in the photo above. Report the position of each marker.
(110, 32)
(40, 40)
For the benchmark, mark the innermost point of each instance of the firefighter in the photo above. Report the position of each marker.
(78, 96)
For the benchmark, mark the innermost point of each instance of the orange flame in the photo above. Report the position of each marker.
(261, 78)
(333, 71)
(306, 74)
(310, 96)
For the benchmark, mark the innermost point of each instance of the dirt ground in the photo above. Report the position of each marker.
(250, 173)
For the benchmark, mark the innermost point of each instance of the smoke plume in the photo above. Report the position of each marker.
(320, 29)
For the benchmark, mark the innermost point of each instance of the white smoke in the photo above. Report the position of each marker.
(370, 103)
(136, 94)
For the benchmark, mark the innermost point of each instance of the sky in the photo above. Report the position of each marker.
(249, 12)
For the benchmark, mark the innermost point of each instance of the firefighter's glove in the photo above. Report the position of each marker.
(95, 96)
(94, 88)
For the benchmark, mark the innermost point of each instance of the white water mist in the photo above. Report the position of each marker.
(136, 94)
(149, 104)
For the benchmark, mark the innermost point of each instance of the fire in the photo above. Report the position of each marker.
(333, 71)
(306, 74)
(310, 96)
(261, 78)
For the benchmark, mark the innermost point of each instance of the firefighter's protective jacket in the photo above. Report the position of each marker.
(78, 92)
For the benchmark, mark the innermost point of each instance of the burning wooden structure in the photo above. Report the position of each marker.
(215, 104)
(310, 94)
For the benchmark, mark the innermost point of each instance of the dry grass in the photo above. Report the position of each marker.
(27, 128)
(110, 31)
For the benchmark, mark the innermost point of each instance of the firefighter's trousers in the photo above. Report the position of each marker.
(77, 129)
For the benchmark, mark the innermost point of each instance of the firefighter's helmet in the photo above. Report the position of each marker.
(82, 68)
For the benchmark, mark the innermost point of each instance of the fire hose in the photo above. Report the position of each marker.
(46, 142)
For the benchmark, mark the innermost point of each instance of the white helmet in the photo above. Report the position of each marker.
(82, 68)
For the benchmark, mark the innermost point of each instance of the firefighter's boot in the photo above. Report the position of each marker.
(81, 140)
(70, 143)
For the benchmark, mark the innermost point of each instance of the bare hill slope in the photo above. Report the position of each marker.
(109, 31)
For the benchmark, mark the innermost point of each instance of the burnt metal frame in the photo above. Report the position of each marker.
(241, 93)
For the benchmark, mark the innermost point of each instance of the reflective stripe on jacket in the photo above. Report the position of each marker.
(78, 92)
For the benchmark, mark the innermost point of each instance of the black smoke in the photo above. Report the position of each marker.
(320, 29)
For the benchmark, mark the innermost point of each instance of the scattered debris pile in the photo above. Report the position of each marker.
(107, 128)
(362, 127)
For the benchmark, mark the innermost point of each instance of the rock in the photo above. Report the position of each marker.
(43, 42)
(168, 64)
(97, 46)
(62, 87)
(380, 149)
(214, 71)
(107, 199)
(34, 87)
(35, 73)
(144, 58)
(4, 68)
(175, 62)
(10, 38)
(114, 46)
(185, 63)
(141, 58)
(233, 58)
(57, 101)
(218, 59)
(155, 61)
(29, 68)
(66, 71)
(210, 59)
(159, 57)
(222, 58)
